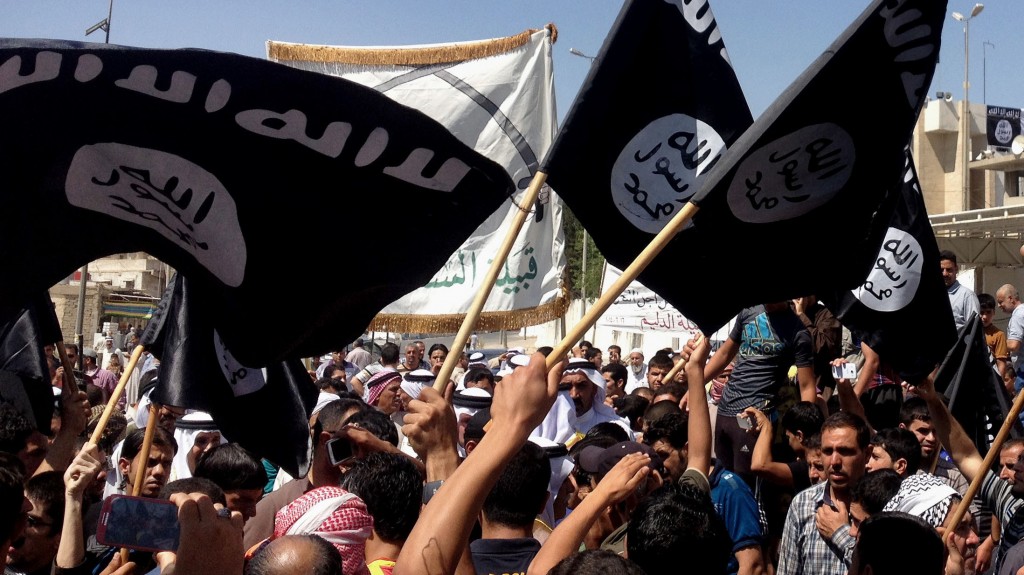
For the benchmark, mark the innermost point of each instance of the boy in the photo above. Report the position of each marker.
(999, 355)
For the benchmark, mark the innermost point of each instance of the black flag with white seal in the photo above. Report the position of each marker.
(265, 409)
(658, 109)
(901, 309)
(223, 166)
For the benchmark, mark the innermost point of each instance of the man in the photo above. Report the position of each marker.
(896, 449)
(587, 392)
(961, 298)
(594, 356)
(657, 368)
(324, 426)
(296, 554)
(388, 360)
(1009, 453)
(637, 370)
(14, 506)
(614, 354)
(1008, 300)
(101, 378)
(870, 496)
(421, 351)
(805, 547)
(359, 356)
(339, 360)
(238, 473)
(34, 551)
(916, 416)
(507, 544)
(733, 499)
(412, 360)
(878, 553)
(826, 336)
(765, 342)
(615, 376)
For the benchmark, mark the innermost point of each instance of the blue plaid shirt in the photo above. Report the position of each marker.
(803, 550)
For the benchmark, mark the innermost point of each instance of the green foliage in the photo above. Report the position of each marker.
(574, 236)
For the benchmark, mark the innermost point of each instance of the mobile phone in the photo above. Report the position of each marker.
(844, 371)
(338, 450)
(139, 523)
(744, 421)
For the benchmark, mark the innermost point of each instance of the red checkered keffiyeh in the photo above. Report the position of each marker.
(336, 515)
(378, 382)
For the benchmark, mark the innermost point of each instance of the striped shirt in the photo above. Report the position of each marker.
(803, 549)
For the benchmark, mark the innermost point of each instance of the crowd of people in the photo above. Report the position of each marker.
(758, 454)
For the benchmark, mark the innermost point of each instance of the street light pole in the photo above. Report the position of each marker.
(965, 130)
(984, 70)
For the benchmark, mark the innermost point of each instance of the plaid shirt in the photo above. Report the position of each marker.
(803, 550)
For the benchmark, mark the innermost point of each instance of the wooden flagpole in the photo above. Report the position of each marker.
(115, 395)
(477, 306)
(143, 457)
(629, 274)
(986, 465)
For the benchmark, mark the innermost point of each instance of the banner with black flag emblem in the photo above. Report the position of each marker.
(24, 373)
(266, 410)
(903, 296)
(659, 106)
(800, 187)
(223, 166)
(977, 397)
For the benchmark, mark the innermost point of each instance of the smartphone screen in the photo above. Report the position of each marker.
(139, 523)
(339, 449)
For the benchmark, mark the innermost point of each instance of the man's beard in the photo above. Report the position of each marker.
(636, 369)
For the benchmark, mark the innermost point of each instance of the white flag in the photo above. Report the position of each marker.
(498, 97)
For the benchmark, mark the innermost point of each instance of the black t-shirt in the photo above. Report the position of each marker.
(503, 556)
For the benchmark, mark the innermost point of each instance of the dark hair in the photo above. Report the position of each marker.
(596, 562)
(813, 442)
(986, 301)
(803, 416)
(947, 255)
(875, 489)
(47, 488)
(477, 373)
(598, 439)
(846, 419)
(521, 489)
(881, 534)
(914, 409)
(670, 388)
(437, 346)
(675, 522)
(661, 361)
(670, 428)
(325, 561)
(545, 349)
(133, 441)
(631, 407)
(610, 430)
(900, 443)
(644, 392)
(329, 418)
(15, 429)
(585, 344)
(378, 423)
(389, 353)
(616, 347)
(660, 408)
(326, 383)
(194, 485)
(392, 488)
(616, 370)
(12, 493)
(231, 467)
(591, 353)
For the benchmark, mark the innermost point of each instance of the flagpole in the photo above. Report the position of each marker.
(115, 395)
(143, 456)
(993, 452)
(477, 306)
(628, 275)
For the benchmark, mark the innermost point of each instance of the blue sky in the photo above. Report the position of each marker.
(770, 41)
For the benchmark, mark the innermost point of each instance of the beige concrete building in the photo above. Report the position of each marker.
(984, 226)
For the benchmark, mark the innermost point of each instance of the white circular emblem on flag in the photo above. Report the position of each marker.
(1003, 132)
(895, 275)
(243, 379)
(661, 168)
(792, 175)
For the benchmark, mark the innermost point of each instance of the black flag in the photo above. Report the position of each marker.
(660, 105)
(802, 185)
(25, 379)
(903, 297)
(236, 171)
(977, 397)
(264, 410)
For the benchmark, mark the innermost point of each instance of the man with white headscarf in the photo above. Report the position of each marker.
(555, 507)
(636, 370)
(466, 404)
(587, 391)
(195, 433)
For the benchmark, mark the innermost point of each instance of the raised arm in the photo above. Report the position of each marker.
(950, 433)
(83, 469)
(761, 462)
(699, 421)
(520, 403)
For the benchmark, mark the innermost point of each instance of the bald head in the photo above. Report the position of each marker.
(1007, 298)
(296, 555)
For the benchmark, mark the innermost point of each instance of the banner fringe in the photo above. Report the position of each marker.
(442, 54)
(488, 321)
